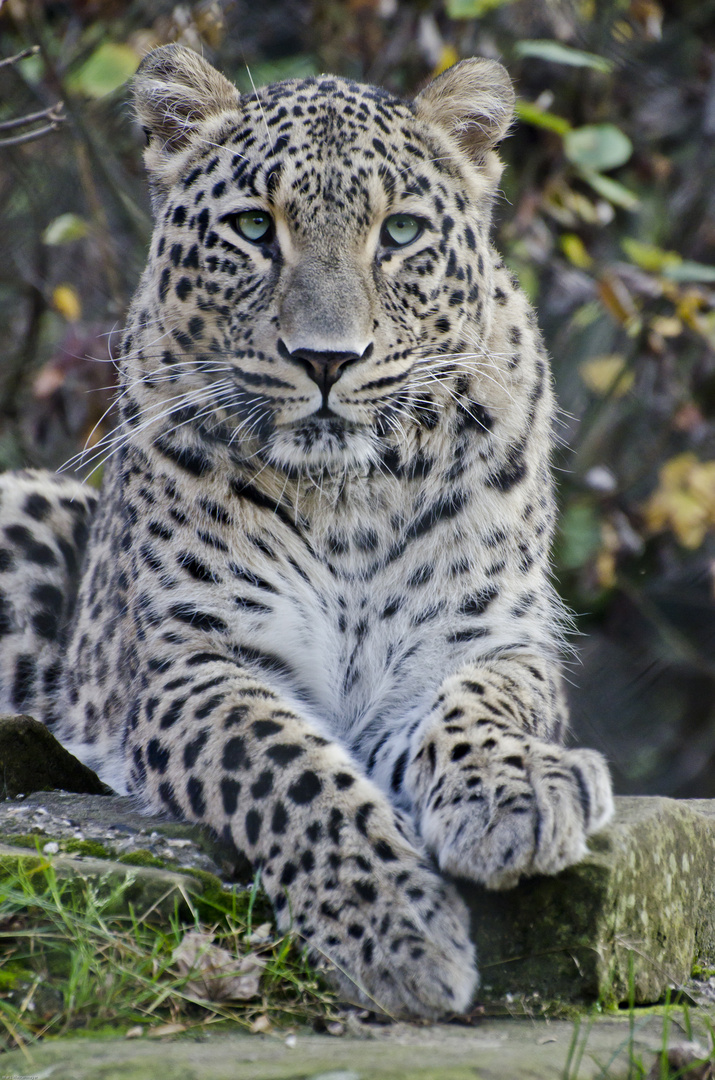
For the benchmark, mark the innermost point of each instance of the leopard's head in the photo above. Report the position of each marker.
(320, 259)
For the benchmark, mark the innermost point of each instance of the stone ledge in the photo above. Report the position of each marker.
(639, 910)
(113, 827)
(491, 1050)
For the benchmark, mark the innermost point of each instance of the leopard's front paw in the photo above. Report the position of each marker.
(414, 958)
(506, 808)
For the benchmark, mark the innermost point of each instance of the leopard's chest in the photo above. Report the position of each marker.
(362, 632)
(361, 642)
(365, 648)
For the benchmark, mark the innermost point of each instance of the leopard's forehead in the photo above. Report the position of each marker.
(323, 147)
(329, 108)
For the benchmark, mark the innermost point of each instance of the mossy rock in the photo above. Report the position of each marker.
(631, 919)
(31, 759)
(92, 848)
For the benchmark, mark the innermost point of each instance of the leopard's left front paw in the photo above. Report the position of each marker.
(508, 808)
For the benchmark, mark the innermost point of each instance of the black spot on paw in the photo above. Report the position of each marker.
(235, 755)
(306, 788)
(283, 753)
(230, 790)
(263, 785)
(253, 826)
(279, 819)
(157, 756)
(195, 792)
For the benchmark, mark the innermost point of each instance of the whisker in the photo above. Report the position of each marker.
(260, 105)
(125, 432)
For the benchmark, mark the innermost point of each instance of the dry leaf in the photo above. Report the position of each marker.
(667, 325)
(134, 1032)
(216, 974)
(619, 303)
(261, 934)
(66, 300)
(166, 1029)
(684, 500)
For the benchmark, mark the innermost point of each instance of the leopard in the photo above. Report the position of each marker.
(311, 606)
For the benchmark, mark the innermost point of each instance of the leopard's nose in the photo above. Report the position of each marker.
(324, 368)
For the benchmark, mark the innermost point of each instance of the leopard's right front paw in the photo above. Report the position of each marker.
(416, 959)
(395, 939)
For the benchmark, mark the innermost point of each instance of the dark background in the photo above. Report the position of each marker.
(607, 216)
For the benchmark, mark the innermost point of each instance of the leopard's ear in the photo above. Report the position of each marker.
(473, 101)
(176, 96)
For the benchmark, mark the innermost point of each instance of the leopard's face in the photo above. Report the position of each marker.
(319, 269)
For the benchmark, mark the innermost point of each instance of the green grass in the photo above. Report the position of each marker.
(627, 1055)
(74, 956)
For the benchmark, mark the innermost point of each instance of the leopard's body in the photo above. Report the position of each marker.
(315, 609)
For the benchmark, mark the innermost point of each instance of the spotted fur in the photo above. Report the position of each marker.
(315, 610)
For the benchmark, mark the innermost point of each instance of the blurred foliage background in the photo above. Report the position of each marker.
(608, 218)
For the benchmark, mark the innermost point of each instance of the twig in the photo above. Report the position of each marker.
(16, 140)
(103, 234)
(19, 56)
(52, 113)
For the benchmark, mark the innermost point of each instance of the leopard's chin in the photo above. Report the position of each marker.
(322, 443)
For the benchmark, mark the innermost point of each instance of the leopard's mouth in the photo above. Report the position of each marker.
(325, 413)
(323, 421)
(321, 440)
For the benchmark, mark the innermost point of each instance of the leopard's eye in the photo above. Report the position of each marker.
(256, 226)
(400, 229)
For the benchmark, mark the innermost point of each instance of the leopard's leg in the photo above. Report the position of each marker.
(333, 858)
(496, 795)
(44, 523)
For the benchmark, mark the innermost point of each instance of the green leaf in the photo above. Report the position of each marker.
(107, 68)
(687, 270)
(532, 114)
(649, 256)
(597, 147)
(611, 190)
(472, 9)
(64, 229)
(557, 53)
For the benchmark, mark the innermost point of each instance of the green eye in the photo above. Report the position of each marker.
(253, 225)
(400, 229)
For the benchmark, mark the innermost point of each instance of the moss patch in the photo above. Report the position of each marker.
(87, 847)
(33, 841)
(638, 911)
(141, 857)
